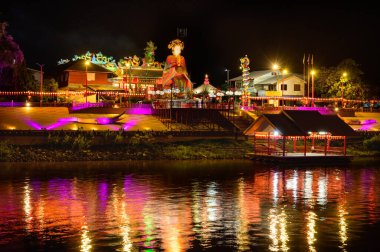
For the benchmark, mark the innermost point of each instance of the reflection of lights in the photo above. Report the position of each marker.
(211, 202)
(283, 234)
(308, 190)
(41, 215)
(292, 184)
(196, 206)
(311, 217)
(273, 219)
(275, 187)
(85, 240)
(27, 205)
(125, 229)
(277, 230)
(322, 191)
(242, 219)
(342, 227)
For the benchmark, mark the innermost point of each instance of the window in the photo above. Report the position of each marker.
(297, 87)
(284, 87)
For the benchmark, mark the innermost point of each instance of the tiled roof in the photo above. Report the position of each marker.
(300, 123)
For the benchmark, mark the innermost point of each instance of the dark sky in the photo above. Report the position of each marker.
(219, 32)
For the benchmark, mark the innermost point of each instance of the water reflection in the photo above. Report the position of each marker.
(278, 230)
(275, 209)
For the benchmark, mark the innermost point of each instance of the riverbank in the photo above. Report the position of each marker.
(138, 148)
(62, 146)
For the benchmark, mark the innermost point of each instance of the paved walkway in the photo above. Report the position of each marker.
(58, 118)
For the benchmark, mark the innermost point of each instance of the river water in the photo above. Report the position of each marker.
(189, 206)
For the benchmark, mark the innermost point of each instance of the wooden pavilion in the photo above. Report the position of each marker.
(294, 133)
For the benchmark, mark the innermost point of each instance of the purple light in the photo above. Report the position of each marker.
(68, 119)
(33, 124)
(129, 124)
(55, 125)
(103, 194)
(103, 120)
(322, 110)
(140, 111)
(369, 121)
(37, 126)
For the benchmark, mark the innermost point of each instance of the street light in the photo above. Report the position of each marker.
(312, 87)
(228, 77)
(275, 68)
(41, 81)
(343, 81)
(86, 63)
(285, 71)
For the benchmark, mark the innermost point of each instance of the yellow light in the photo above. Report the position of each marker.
(87, 62)
(312, 72)
(275, 67)
(345, 74)
(28, 104)
(285, 71)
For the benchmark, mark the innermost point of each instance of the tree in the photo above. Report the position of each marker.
(331, 82)
(149, 53)
(14, 74)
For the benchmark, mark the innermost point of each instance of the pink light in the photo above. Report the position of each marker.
(103, 120)
(68, 119)
(140, 111)
(129, 125)
(369, 121)
(33, 124)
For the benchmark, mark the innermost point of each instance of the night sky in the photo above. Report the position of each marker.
(219, 32)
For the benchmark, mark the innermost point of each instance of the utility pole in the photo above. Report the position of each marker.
(228, 77)
(41, 81)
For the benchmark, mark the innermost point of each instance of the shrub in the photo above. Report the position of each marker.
(81, 142)
(372, 143)
(5, 151)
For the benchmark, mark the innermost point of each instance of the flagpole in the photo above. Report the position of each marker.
(304, 77)
(308, 78)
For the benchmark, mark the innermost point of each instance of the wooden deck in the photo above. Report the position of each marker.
(311, 159)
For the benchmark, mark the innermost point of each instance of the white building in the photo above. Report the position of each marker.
(273, 83)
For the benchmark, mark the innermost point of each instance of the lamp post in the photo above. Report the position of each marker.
(228, 77)
(343, 81)
(41, 81)
(86, 63)
(312, 87)
(275, 68)
(285, 71)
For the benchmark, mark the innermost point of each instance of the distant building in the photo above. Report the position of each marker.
(73, 76)
(273, 83)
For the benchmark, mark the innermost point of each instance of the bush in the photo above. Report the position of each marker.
(5, 151)
(372, 143)
(81, 143)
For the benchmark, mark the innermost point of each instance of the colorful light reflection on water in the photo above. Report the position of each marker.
(177, 209)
